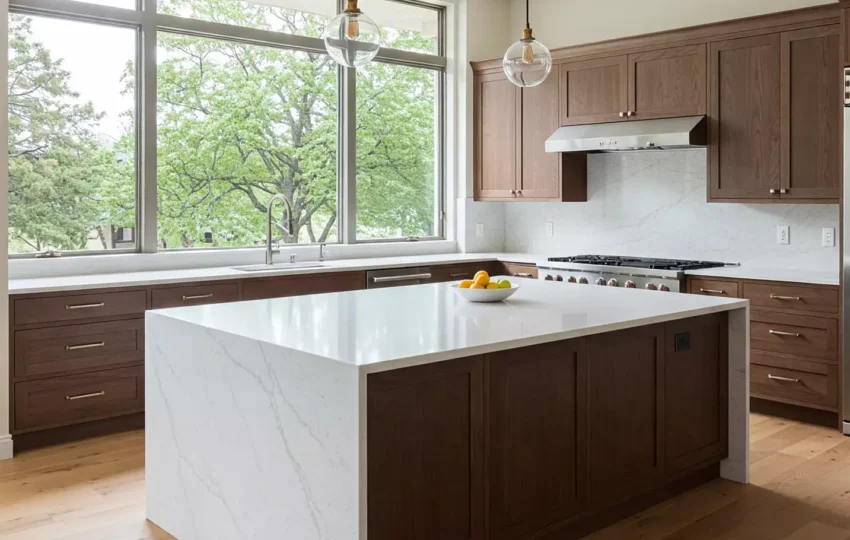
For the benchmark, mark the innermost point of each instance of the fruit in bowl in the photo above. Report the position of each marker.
(483, 289)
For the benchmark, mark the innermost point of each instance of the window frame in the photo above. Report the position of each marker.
(147, 23)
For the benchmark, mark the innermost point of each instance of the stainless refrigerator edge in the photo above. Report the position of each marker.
(845, 263)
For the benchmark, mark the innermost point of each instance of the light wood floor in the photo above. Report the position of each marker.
(800, 491)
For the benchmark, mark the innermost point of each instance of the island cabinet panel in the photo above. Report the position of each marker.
(744, 118)
(594, 91)
(625, 413)
(668, 83)
(258, 289)
(535, 432)
(424, 459)
(695, 392)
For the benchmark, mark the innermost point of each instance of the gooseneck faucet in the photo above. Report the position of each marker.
(290, 228)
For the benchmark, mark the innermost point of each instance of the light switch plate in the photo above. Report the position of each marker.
(783, 234)
(828, 237)
(479, 230)
(550, 228)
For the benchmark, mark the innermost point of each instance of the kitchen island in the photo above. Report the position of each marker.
(407, 413)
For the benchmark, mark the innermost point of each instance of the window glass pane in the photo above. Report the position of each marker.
(404, 26)
(297, 17)
(72, 179)
(397, 142)
(237, 124)
(126, 4)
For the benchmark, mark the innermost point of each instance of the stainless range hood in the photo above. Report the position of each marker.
(660, 134)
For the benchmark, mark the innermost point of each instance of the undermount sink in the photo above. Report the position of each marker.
(278, 266)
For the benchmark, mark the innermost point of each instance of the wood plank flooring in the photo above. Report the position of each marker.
(800, 491)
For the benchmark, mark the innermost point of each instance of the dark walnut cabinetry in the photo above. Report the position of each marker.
(546, 442)
(771, 88)
(794, 339)
(511, 128)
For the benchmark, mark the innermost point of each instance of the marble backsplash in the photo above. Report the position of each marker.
(653, 204)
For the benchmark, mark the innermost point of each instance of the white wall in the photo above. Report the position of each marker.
(653, 204)
(5, 438)
(559, 23)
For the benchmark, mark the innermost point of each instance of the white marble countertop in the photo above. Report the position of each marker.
(383, 329)
(746, 271)
(161, 277)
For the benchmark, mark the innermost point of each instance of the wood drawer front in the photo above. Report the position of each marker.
(48, 351)
(78, 306)
(775, 378)
(794, 334)
(795, 297)
(298, 286)
(78, 398)
(519, 270)
(194, 295)
(458, 272)
(710, 287)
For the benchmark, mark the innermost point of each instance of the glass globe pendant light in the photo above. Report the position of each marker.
(352, 39)
(527, 62)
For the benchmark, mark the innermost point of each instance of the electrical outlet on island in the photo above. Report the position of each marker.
(783, 235)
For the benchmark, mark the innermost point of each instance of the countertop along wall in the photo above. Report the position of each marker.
(653, 204)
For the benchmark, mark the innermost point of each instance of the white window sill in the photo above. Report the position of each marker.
(174, 260)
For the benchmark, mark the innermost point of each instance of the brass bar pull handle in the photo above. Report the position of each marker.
(462, 274)
(407, 277)
(198, 296)
(85, 306)
(783, 379)
(85, 346)
(712, 291)
(778, 297)
(773, 192)
(85, 396)
(523, 274)
(780, 333)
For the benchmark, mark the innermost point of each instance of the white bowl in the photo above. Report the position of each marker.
(485, 295)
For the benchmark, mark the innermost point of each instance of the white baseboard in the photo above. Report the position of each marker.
(6, 447)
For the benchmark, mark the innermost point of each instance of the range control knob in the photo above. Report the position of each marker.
(651, 287)
(663, 288)
(559, 278)
(583, 280)
(572, 279)
(613, 283)
(549, 277)
(601, 281)
(631, 284)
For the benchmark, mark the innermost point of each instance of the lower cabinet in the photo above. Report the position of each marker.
(541, 442)
(279, 287)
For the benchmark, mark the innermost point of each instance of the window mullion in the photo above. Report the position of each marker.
(146, 114)
(348, 163)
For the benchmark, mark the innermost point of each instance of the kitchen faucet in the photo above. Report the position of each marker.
(290, 228)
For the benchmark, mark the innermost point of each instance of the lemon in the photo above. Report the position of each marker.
(482, 273)
(493, 285)
(477, 286)
(504, 284)
(465, 284)
(481, 279)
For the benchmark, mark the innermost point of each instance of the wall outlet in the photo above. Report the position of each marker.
(828, 237)
(783, 234)
(550, 228)
(479, 230)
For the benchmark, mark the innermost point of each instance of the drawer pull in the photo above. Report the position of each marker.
(782, 379)
(462, 274)
(85, 346)
(778, 297)
(85, 306)
(198, 296)
(523, 274)
(85, 396)
(712, 291)
(780, 333)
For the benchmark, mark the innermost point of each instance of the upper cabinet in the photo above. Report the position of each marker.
(594, 91)
(668, 83)
(511, 128)
(775, 117)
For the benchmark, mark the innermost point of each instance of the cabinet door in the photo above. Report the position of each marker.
(498, 117)
(541, 171)
(668, 83)
(535, 433)
(845, 32)
(424, 450)
(594, 91)
(624, 373)
(744, 118)
(695, 392)
(811, 113)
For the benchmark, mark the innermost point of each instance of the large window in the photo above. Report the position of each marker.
(119, 146)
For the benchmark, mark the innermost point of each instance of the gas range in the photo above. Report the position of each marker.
(667, 275)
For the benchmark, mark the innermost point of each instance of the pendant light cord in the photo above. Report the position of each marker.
(527, 13)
